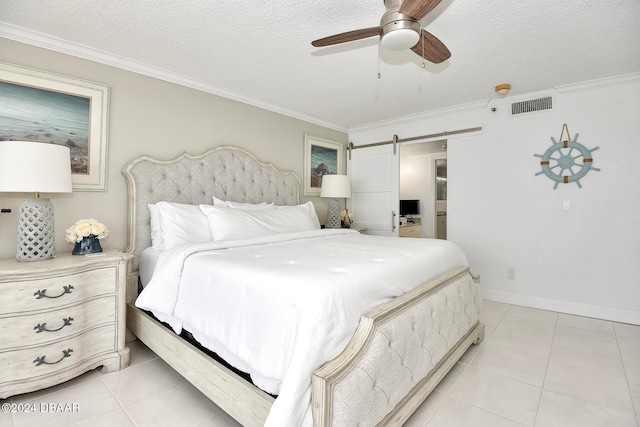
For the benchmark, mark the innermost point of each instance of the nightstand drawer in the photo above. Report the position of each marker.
(47, 360)
(45, 327)
(411, 231)
(56, 290)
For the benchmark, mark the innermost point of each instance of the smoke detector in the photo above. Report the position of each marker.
(503, 89)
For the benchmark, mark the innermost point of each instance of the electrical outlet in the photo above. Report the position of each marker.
(511, 273)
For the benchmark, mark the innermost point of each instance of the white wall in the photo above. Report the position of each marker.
(151, 116)
(584, 261)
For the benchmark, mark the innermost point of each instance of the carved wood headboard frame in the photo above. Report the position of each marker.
(226, 172)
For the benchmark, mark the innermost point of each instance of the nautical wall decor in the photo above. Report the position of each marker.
(566, 160)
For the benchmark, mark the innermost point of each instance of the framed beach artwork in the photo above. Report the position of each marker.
(321, 157)
(53, 109)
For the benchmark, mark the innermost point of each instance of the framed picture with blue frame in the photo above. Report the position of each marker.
(321, 157)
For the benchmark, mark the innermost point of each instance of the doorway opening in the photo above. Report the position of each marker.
(418, 181)
(441, 197)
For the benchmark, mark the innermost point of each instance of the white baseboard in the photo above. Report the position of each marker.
(579, 309)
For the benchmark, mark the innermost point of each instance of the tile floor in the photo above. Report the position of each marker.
(534, 368)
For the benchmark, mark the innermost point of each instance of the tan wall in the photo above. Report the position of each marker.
(150, 116)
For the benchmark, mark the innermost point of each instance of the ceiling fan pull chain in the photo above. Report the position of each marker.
(422, 41)
(379, 60)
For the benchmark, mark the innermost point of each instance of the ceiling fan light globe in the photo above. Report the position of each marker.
(400, 39)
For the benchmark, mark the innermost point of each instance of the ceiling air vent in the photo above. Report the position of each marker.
(532, 105)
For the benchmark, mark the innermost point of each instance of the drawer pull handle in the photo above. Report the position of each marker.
(43, 293)
(40, 360)
(42, 327)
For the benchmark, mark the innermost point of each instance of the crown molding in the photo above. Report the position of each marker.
(572, 87)
(606, 81)
(420, 116)
(34, 38)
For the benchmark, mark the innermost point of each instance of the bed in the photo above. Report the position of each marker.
(384, 353)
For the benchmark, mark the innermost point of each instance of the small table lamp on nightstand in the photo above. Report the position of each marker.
(34, 167)
(337, 187)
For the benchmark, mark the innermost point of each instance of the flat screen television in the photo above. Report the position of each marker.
(409, 207)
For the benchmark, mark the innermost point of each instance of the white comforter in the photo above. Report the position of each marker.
(280, 306)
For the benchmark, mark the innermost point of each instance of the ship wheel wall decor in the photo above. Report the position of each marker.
(566, 160)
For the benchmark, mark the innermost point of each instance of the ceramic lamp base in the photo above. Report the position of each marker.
(333, 215)
(36, 238)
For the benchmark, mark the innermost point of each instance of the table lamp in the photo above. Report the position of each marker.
(337, 187)
(35, 167)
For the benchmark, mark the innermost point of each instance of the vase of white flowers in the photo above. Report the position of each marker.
(86, 234)
(346, 218)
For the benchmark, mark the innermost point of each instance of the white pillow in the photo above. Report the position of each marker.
(156, 231)
(308, 207)
(179, 224)
(240, 205)
(229, 223)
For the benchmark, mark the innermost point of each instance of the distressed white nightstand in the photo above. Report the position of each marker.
(60, 318)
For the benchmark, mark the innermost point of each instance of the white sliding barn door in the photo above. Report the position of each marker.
(375, 174)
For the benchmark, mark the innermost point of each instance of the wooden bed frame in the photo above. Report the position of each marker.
(399, 353)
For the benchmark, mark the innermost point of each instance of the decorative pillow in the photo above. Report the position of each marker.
(229, 223)
(179, 224)
(240, 205)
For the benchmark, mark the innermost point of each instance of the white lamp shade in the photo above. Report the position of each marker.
(32, 167)
(336, 186)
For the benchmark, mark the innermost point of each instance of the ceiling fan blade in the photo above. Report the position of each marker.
(418, 9)
(433, 51)
(347, 37)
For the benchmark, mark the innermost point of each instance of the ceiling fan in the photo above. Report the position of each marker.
(399, 29)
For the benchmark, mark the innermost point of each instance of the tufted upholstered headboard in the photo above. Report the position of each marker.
(229, 173)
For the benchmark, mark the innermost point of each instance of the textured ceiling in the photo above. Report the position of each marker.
(259, 51)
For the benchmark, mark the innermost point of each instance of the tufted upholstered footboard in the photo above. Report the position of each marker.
(398, 355)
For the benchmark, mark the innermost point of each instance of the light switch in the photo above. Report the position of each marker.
(566, 205)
